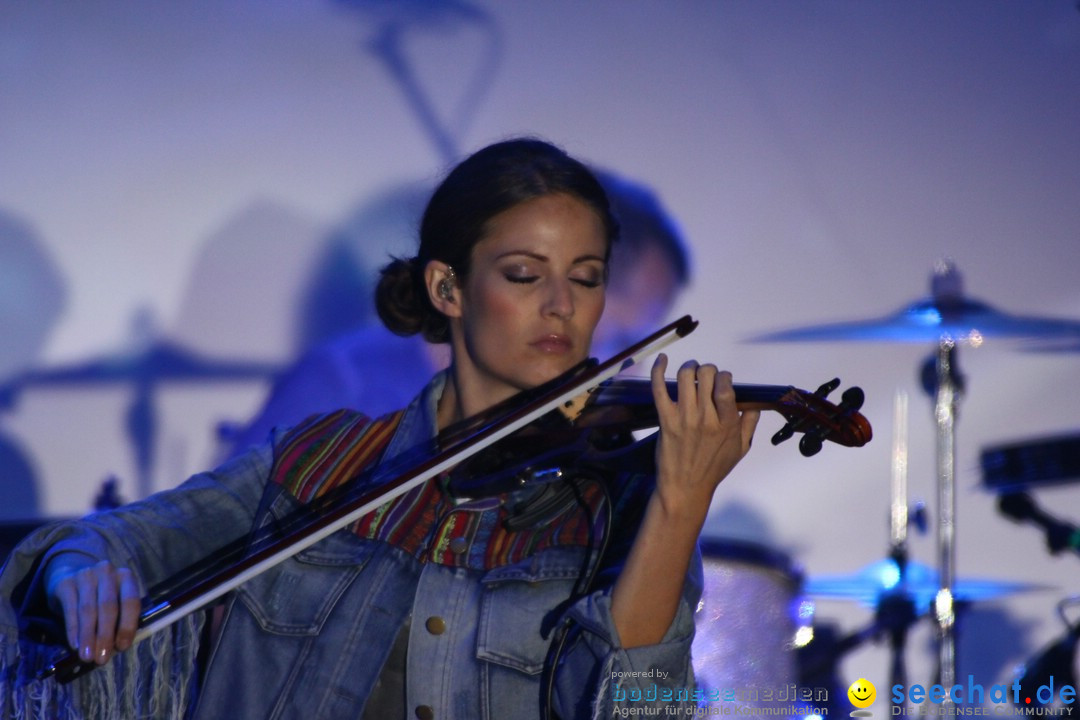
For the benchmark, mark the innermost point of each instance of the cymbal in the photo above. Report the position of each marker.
(946, 315)
(921, 581)
(159, 362)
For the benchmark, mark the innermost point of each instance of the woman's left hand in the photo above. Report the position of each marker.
(703, 434)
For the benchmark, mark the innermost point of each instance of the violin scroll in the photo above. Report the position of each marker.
(819, 420)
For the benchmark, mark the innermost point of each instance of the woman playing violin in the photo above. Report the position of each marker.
(493, 608)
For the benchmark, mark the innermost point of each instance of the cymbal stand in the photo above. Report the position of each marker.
(895, 611)
(945, 401)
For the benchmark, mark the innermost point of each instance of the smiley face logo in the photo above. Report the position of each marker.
(862, 693)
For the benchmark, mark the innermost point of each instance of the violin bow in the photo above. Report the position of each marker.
(461, 446)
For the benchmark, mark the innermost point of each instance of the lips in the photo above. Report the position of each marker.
(555, 344)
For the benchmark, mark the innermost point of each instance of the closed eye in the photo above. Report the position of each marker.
(522, 279)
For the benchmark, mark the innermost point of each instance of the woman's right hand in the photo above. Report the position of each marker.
(100, 604)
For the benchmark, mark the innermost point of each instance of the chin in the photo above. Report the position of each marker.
(551, 372)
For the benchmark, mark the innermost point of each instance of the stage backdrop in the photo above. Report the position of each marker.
(208, 177)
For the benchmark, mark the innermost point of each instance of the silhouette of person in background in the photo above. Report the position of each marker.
(650, 266)
(32, 296)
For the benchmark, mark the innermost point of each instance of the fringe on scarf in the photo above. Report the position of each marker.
(156, 679)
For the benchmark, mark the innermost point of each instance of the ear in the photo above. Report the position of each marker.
(442, 288)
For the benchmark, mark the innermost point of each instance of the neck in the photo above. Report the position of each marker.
(449, 410)
(465, 396)
(465, 393)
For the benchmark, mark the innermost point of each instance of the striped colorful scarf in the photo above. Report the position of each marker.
(329, 450)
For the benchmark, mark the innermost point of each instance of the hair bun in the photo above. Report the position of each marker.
(397, 300)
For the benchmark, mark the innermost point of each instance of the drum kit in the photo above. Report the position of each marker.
(146, 369)
(750, 592)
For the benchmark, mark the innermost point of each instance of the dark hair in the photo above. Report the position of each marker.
(486, 183)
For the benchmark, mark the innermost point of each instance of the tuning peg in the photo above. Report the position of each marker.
(783, 433)
(827, 388)
(810, 444)
(852, 399)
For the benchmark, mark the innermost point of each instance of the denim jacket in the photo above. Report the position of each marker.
(309, 637)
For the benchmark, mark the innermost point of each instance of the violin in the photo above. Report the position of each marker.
(596, 431)
(597, 410)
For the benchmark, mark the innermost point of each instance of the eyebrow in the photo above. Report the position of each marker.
(545, 258)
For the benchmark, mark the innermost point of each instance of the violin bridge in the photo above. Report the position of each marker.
(573, 407)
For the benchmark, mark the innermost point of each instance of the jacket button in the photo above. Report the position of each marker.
(435, 625)
(424, 712)
(458, 545)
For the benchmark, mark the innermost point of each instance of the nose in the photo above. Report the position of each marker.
(560, 300)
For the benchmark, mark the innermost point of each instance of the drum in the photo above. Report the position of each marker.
(746, 623)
